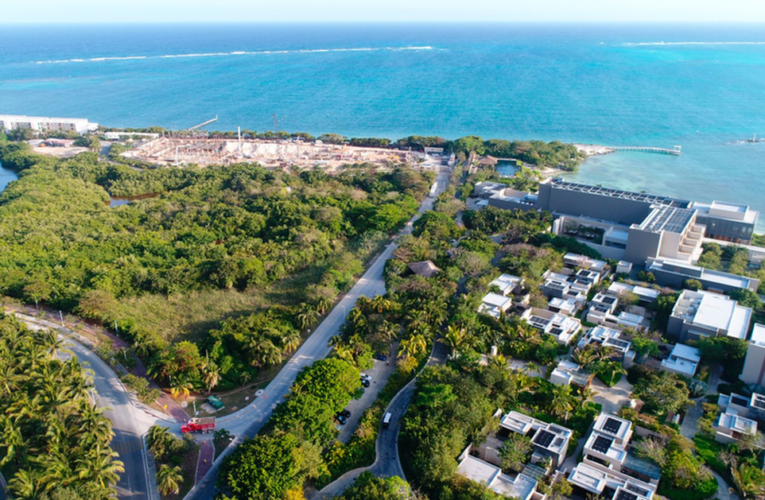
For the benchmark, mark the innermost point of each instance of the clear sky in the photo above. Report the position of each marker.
(98, 11)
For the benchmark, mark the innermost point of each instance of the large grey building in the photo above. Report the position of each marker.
(626, 225)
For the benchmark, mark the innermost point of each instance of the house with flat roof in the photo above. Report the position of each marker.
(609, 486)
(563, 328)
(495, 305)
(565, 286)
(683, 359)
(706, 314)
(570, 373)
(507, 284)
(575, 260)
(645, 295)
(752, 407)
(754, 365)
(609, 463)
(602, 311)
(521, 486)
(548, 440)
(568, 306)
(674, 274)
(603, 336)
(730, 426)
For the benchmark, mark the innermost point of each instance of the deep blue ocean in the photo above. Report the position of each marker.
(699, 86)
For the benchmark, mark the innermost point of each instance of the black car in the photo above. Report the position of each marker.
(364, 382)
(342, 420)
(380, 356)
(345, 413)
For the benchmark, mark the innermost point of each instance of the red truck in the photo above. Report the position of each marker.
(205, 425)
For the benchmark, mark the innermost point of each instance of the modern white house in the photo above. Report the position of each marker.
(563, 328)
(683, 359)
(609, 337)
(752, 407)
(730, 426)
(46, 124)
(570, 373)
(549, 440)
(567, 306)
(575, 260)
(706, 314)
(507, 284)
(521, 486)
(754, 366)
(495, 305)
(610, 465)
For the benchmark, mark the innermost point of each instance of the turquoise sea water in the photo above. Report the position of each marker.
(701, 87)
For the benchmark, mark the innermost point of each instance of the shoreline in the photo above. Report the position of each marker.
(594, 149)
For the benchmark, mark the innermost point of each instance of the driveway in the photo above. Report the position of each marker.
(248, 421)
(380, 374)
(611, 398)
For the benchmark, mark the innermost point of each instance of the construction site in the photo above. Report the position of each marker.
(272, 153)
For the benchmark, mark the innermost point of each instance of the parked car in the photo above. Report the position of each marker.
(380, 356)
(366, 376)
(215, 402)
(342, 420)
(345, 413)
(364, 382)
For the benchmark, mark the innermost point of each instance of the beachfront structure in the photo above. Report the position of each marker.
(570, 373)
(630, 226)
(754, 365)
(683, 359)
(563, 328)
(45, 124)
(549, 440)
(730, 426)
(707, 314)
(674, 274)
(610, 466)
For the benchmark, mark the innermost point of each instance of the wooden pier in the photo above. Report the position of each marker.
(676, 151)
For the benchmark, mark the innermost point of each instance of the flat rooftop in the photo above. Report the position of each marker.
(667, 218)
(559, 183)
(710, 276)
(758, 335)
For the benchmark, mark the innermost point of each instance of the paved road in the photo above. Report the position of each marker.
(387, 461)
(247, 422)
(129, 422)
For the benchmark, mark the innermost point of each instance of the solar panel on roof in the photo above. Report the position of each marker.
(544, 438)
(612, 426)
(602, 444)
(739, 401)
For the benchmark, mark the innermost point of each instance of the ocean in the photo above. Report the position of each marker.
(697, 86)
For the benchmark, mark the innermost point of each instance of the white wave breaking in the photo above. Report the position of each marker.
(660, 44)
(234, 53)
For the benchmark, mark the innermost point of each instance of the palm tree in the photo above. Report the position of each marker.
(245, 377)
(363, 302)
(389, 330)
(498, 361)
(211, 376)
(562, 401)
(344, 352)
(100, 467)
(380, 304)
(169, 479)
(180, 386)
(308, 316)
(322, 304)
(584, 356)
(454, 338)
(158, 439)
(414, 345)
(25, 485)
(291, 341)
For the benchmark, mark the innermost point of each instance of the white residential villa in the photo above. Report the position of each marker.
(700, 314)
(563, 328)
(683, 359)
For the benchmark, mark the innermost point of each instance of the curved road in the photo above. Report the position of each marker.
(247, 422)
(128, 421)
